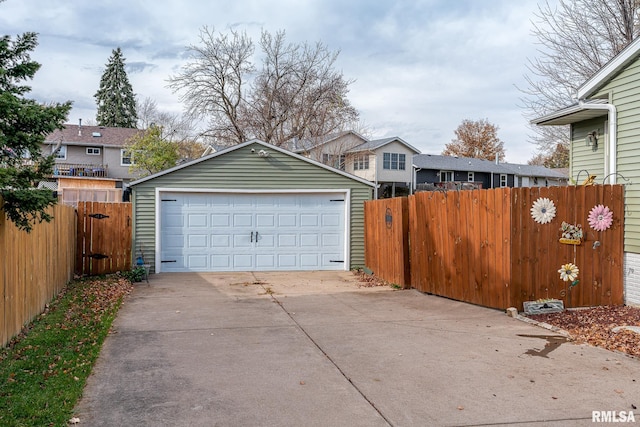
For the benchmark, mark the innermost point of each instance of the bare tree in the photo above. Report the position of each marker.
(477, 139)
(576, 38)
(173, 127)
(296, 94)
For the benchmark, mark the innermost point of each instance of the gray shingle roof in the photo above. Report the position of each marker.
(84, 135)
(450, 163)
(377, 143)
(534, 170)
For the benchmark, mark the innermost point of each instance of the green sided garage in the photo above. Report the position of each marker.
(252, 207)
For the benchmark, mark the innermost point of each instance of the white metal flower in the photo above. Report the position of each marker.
(543, 210)
(569, 272)
(600, 218)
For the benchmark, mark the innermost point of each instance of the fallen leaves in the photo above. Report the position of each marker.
(595, 326)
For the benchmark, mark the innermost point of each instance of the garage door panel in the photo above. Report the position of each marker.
(220, 240)
(213, 232)
(197, 261)
(197, 241)
(197, 220)
(174, 220)
(221, 262)
(266, 261)
(309, 220)
(287, 240)
(310, 261)
(242, 220)
(287, 220)
(309, 240)
(243, 261)
(266, 240)
(265, 220)
(220, 220)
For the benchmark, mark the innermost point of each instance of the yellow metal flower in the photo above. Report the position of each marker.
(569, 272)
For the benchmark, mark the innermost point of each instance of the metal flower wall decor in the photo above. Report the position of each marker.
(569, 272)
(543, 210)
(600, 218)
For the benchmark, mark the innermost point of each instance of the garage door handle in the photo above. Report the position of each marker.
(252, 237)
(256, 237)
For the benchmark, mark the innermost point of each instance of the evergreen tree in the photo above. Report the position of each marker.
(115, 98)
(24, 124)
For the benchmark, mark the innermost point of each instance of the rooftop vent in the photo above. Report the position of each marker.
(96, 134)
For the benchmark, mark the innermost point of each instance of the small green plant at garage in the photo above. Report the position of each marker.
(136, 274)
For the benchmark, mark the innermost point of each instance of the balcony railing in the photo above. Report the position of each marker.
(79, 169)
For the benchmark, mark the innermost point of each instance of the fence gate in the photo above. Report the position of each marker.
(104, 238)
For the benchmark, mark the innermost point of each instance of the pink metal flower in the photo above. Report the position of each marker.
(600, 218)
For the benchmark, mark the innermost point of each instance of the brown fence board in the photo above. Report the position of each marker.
(109, 236)
(483, 246)
(34, 267)
(386, 243)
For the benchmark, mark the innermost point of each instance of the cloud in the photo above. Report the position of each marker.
(420, 67)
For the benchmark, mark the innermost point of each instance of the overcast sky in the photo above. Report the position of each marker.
(420, 67)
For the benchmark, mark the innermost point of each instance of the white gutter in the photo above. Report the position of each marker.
(611, 169)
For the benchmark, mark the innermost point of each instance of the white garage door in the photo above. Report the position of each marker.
(252, 232)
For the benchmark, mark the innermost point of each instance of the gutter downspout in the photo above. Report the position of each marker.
(611, 169)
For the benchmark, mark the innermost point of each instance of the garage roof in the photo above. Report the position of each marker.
(240, 146)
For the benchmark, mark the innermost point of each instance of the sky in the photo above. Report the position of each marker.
(419, 68)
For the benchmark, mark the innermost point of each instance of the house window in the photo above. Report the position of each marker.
(334, 160)
(503, 180)
(393, 161)
(62, 152)
(471, 176)
(361, 162)
(126, 159)
(93, 151)
(446, 176)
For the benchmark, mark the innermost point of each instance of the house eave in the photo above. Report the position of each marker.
(610, 70)
(568, 115)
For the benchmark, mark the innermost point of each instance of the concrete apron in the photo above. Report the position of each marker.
(314, 349)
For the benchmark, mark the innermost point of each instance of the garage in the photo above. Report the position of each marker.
(251, 207)
(252, 231)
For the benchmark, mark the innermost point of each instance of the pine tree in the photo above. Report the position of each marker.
(24, 124)
(115, 98)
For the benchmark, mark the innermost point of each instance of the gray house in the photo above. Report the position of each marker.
(536, 176)
(91, 151)
(605, 144)
(251, 207)
(441, 171)
(385, 162)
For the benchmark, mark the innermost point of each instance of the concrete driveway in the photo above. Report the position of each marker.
(314, 349)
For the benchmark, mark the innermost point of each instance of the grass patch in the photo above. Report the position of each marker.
(44, 369)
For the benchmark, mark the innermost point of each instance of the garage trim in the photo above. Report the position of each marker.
(160, 190)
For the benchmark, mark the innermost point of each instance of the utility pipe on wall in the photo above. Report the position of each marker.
(611, 169)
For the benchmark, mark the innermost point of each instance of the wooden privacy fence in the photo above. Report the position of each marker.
(104, 238)
(386, 244)
(34, 267)
(484, 247)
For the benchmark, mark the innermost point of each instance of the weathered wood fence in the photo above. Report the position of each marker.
(104, 238)
(34, 267)
(483, 246)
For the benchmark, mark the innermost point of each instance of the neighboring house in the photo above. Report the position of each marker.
(250, 207)
(605, 143)
(537, 176)
(454, 172)
(331, 149)
(90, 157)
(385, 162)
